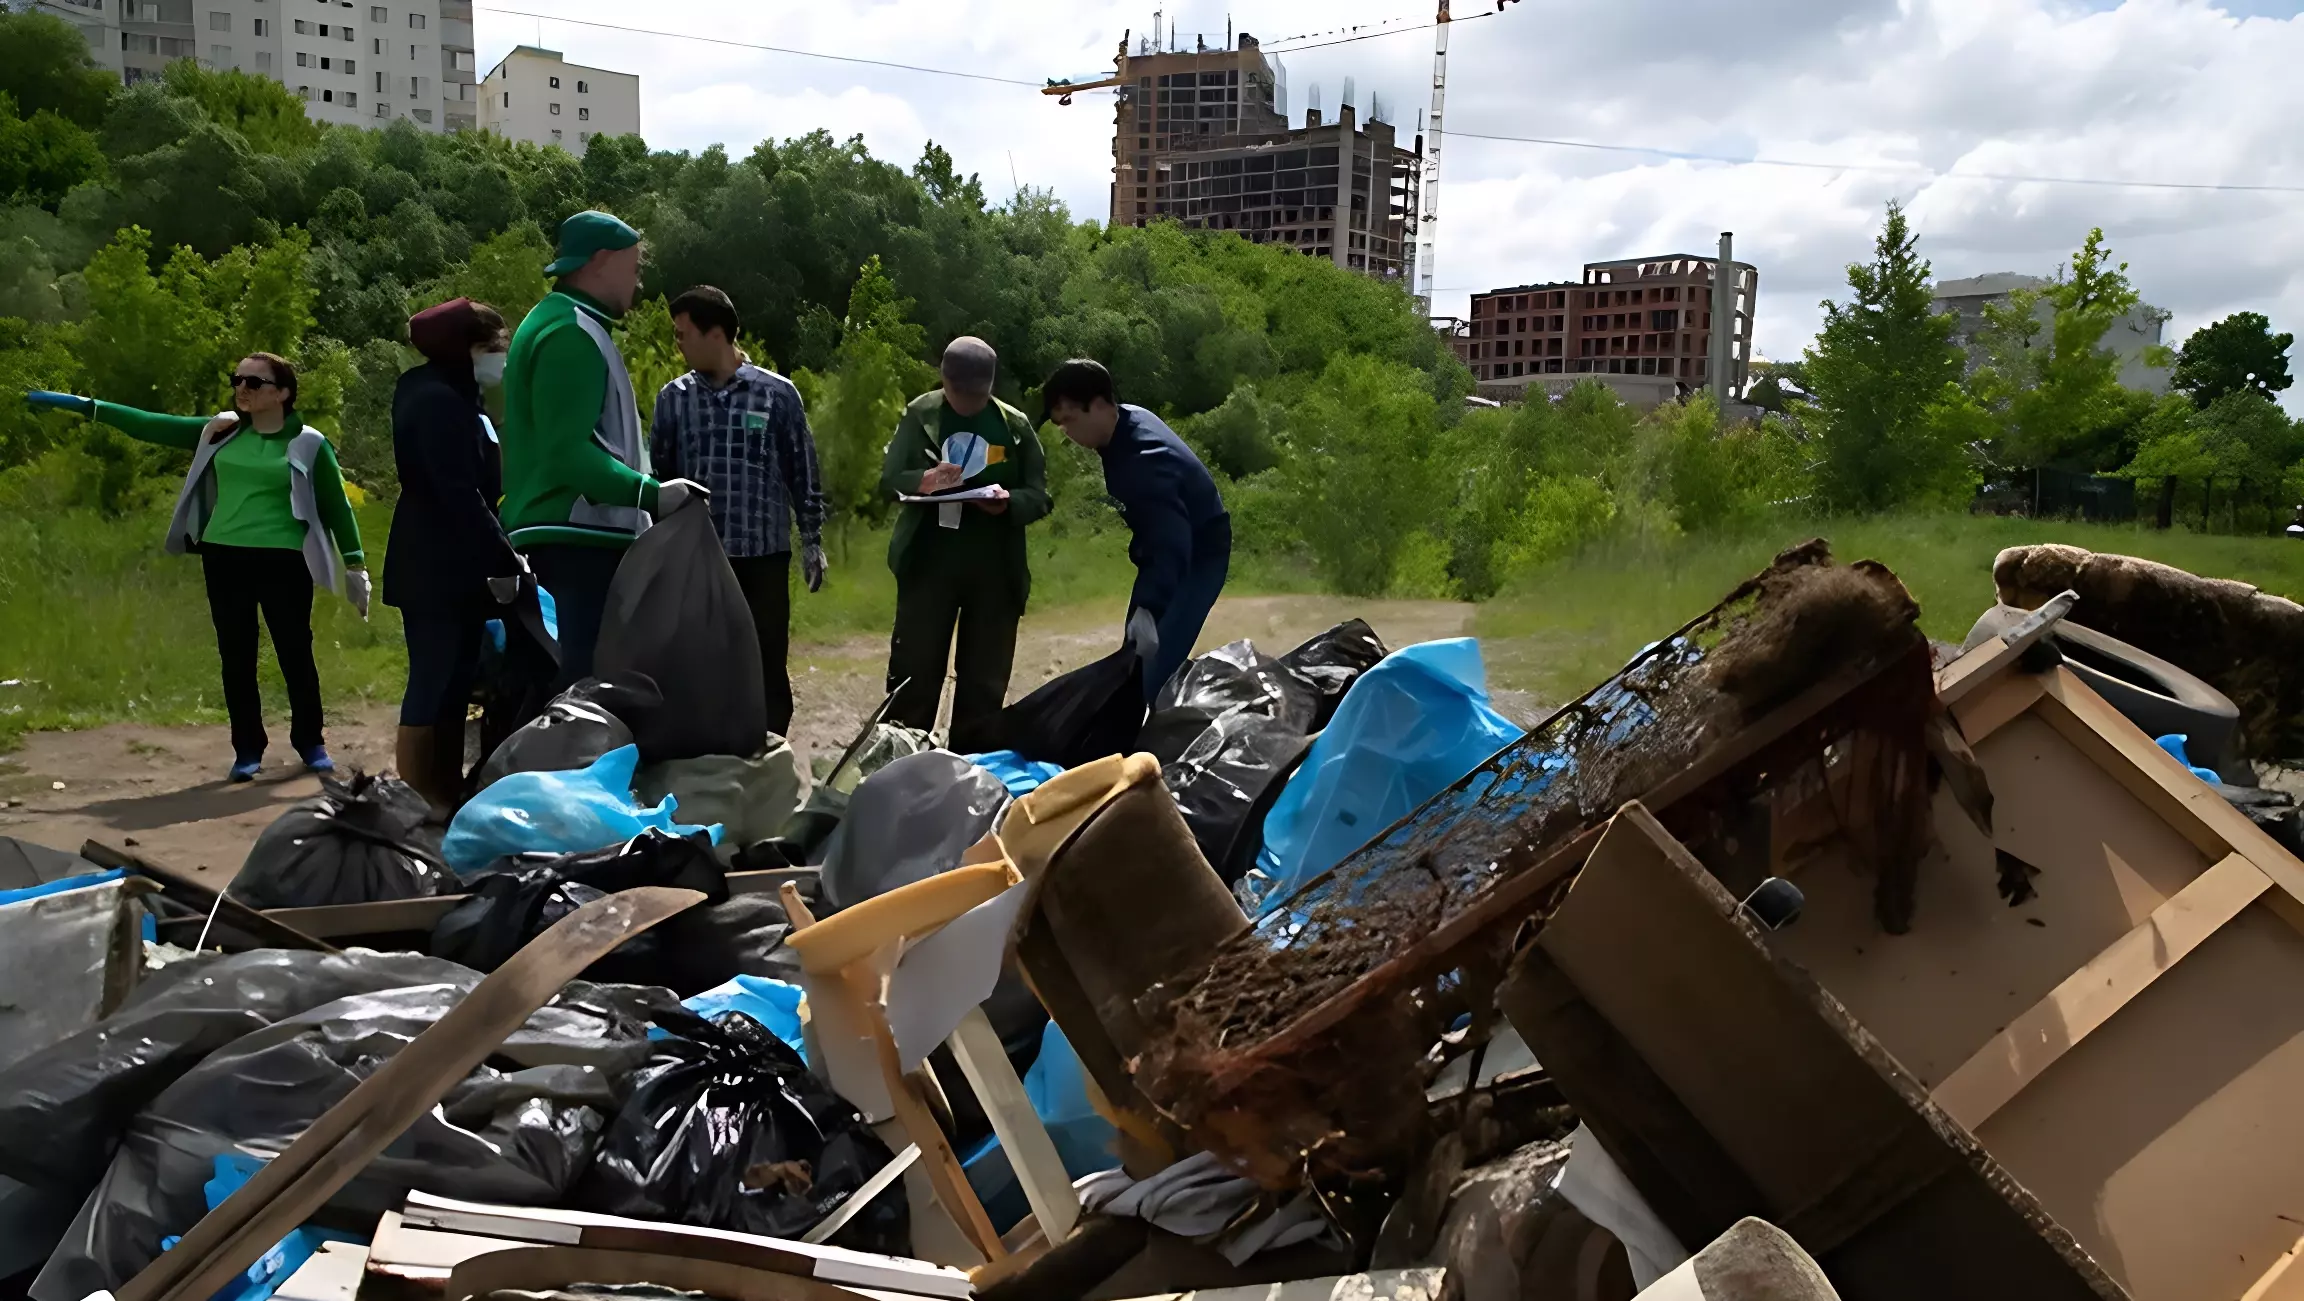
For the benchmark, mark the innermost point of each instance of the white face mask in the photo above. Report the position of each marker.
(488, 368)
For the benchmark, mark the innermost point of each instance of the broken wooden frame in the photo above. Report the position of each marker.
(1726, 1083)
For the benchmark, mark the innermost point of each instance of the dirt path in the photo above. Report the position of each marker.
(161, 790)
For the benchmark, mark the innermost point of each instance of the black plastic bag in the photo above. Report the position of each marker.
(1230, 679)
(517, 898)
(364, 841)
(727, 1129)
(1227, 780)
(1091, 712)
(1332, 662)
(676, 614)
(581, 724)
(64, 1108)
(518, 1130)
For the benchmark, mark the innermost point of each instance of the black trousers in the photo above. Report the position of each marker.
(578, 579)
(243, 581)
(932, 604)
(443, 663)
(767, 584)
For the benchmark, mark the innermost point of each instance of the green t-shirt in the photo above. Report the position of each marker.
(980, 445)
(252, 502)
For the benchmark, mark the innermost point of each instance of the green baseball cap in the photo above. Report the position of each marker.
(587, 233)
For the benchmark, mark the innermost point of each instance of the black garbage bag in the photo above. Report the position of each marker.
(581, 724)
(362, 841)
(676, 614)
(911, 820)
(519, 897)
(727, 1129)
(1332, 662)
(518, 1130)
(1226, 781)
(1091, 712)
(64, 1108)
(1236, 678)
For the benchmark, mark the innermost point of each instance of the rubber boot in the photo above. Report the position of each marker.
(414, 753)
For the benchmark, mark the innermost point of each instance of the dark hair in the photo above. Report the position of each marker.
(1079, 382)
(283, 371)
(707, 309)
(487, 325)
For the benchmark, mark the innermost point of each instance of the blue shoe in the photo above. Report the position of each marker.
(316, 760)
(245, 768)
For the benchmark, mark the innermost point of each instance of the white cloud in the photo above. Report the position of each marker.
(2178, 90)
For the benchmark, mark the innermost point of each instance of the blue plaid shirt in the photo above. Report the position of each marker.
(749, 443)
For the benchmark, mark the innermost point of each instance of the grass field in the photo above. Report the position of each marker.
(1558, 630)
(97, 625)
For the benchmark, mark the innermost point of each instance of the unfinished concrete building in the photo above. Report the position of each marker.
(1200, 137)
(1644, 317)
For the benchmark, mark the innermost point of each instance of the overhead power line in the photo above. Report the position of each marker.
(1894, 169)
(754, 45)
(1283, 48)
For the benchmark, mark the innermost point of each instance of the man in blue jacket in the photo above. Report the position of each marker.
(1181, 535)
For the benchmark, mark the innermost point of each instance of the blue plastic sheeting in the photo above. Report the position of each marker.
(1020, 775)
(276, 1266)
(2173, 743)
(551, 621)
(558, 813)
(772, 1003)
(1408, 729)
(1057, 1086)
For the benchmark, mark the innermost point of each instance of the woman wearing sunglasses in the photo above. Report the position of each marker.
(264, 506)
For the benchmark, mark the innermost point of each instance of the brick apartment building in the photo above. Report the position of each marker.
(1647, 316)
(1199, 137)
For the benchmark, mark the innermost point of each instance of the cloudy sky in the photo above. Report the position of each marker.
(1908, 96)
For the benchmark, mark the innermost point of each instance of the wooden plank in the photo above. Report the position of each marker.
(190, 891)
(2153, 776)
(1996, 705)
(1981, 665)
(2090, 996)
(1510, 897)
(346, 1137)
(547, 1269)
(1031, 1153)
(553, 1227)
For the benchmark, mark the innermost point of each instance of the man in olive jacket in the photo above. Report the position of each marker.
(960, 564)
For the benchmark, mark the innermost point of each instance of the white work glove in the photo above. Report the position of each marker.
(672, 494)
(812, 566)
(506, 589)
(1144, 634)
(356, 591)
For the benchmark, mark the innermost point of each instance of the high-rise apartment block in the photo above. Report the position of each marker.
(537, 96)
(1202, 137)
(1646, 316)
(355, 63)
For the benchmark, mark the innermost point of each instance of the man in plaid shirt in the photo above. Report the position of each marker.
(740, 430)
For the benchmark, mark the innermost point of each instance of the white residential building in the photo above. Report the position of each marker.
(537, 96)
(355, 63)
(2134, 338)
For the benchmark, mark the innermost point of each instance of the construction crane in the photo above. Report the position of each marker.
(1064, 89)
(1428, 214)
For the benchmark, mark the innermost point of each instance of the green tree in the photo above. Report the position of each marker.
(2236, 353)
(1882, 371)
(1361, 480)
(265, 113)
(2054, 389)
(42, 157)
(854, 410)
(1241, 437)
(48, 69)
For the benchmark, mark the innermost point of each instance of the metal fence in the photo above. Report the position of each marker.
(2203, 505)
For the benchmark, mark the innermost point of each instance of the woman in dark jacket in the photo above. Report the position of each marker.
(446, 541)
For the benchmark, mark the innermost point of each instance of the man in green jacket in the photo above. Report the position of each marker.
(960, 565)
(576, 483)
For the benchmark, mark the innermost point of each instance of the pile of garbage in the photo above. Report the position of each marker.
(1320, 973)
